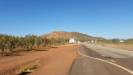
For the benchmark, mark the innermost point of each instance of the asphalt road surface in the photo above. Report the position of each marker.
(97, 60)
(110, 52)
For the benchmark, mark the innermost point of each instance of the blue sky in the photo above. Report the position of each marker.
(105, 18)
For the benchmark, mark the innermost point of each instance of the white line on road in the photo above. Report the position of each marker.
(114, 64)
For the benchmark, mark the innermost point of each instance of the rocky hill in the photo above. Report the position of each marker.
(67, 35)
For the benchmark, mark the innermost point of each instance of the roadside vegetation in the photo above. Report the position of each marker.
(117, 43)
(9, 44)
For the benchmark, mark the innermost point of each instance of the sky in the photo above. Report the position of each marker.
(102, 18)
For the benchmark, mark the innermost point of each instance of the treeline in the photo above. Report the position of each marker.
(9, 43)
(59, 41)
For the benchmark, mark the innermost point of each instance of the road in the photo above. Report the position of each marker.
(110, 52)
(98, 60)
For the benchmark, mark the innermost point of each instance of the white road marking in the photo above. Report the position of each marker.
(111, 63)
(112, 60)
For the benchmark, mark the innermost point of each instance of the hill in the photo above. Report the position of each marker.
(67, 35)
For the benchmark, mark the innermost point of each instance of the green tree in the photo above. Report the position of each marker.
(29, 41)
(2, 44)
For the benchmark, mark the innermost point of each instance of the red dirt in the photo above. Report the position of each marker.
(58, 62)
(55, 61)
(9, 65)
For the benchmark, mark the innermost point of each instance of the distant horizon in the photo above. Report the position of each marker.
(102, 18)
(64, 31)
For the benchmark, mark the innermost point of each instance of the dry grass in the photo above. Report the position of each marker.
(121, 46)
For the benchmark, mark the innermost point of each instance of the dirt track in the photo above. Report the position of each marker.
(58, 62)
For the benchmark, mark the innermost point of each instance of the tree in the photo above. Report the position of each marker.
(29, 41)
(2, 43)
(38, 41)
(9, 43)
